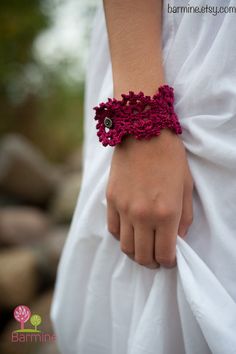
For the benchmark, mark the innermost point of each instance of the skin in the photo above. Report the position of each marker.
(149, 189)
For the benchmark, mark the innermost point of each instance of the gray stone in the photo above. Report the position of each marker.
(18, 276)
(64, 201)
(24, 172)
(22, 225)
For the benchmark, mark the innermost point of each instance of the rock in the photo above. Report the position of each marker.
(48, 348)
(40, 306)
(22, 225)
(24, 172)
(64, 201)
(18, 276)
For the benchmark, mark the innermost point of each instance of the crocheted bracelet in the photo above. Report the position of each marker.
(136, 114)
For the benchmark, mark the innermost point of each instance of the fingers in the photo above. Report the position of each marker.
(144, 245)
(165, 247)
(187, 209)
(113, 220)
(126, 237)
(165, 237)
(187, 214)
(148, 246)
(140, 242)
(137, 242)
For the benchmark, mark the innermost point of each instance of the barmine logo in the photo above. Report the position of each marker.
(22, 314)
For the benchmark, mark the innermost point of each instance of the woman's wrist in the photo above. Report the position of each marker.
(149, 86)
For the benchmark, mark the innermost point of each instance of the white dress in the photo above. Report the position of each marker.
(105, 303)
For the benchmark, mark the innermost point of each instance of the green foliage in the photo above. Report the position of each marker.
(52, 118)
(20, 22)
(60, 122)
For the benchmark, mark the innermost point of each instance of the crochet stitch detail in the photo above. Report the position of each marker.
(136, 114)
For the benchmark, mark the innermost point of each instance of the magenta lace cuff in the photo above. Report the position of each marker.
(136, 114)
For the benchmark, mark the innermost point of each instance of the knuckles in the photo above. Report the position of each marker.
(144, 210)
(139, 211)
(110, 195)
(165, 211)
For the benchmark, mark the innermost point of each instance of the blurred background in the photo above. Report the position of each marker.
(43, 51)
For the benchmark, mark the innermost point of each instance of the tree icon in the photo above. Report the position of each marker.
(22, 314)
(35, 320)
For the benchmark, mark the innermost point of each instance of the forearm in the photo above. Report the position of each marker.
(134, 32)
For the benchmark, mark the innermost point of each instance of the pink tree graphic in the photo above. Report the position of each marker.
(22, 314)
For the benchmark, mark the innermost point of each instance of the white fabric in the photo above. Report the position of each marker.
(104, 303)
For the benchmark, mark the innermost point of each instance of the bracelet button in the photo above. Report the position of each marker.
(108, 122)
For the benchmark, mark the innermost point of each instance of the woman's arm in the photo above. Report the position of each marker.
(134, 32)
(149, 191)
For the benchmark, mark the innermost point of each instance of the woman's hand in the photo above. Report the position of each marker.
(149, 192)
(149, 198)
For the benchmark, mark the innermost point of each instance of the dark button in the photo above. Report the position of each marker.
(108, 122)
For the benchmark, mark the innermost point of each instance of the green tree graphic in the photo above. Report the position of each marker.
(35, 320)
